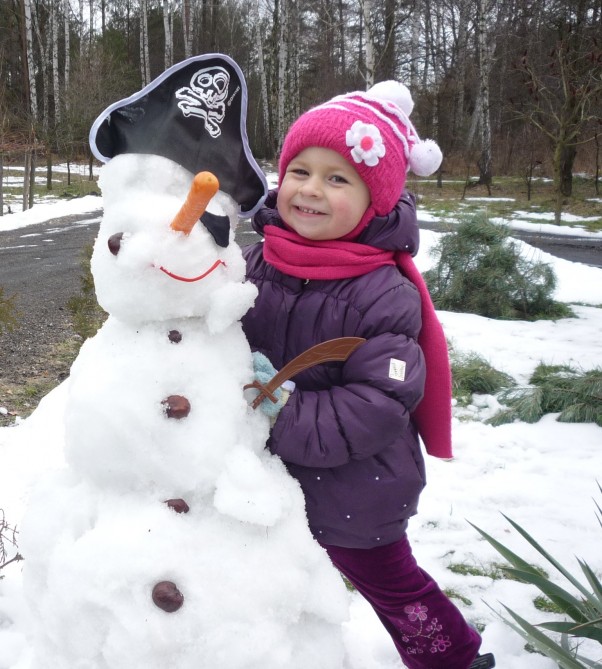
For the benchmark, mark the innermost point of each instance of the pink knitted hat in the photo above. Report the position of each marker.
(372, 130)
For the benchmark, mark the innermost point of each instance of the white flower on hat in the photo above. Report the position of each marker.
(367, 143)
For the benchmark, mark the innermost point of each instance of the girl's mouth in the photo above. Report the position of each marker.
(307, 210)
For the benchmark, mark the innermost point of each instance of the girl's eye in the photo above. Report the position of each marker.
(299, 171)
(338, 179)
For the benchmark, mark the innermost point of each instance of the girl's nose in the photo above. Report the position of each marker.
(310, 187)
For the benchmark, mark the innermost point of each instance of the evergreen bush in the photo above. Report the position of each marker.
(575, 395)
(471, 373)
(481, 271)
(582, 609)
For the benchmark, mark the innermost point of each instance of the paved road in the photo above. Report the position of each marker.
(45, 257)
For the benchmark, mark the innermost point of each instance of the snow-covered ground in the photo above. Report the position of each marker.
(544, 476)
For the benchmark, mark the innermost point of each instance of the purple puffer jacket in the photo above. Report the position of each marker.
(345, 433)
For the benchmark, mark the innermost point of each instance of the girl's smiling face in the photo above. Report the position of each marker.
(322, 196)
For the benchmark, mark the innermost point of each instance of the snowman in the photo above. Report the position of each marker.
(172, 537)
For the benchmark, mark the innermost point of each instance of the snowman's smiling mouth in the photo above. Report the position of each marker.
(213, 267)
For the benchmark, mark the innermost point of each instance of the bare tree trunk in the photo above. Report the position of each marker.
(187, 27)
(342, 51)
(49, 167)
(168, 30)
(265, 105)
(485, 50)
(282, 66)
(428, 39)
(460, 70)
(91, 31)
(144, 55)
(597, 172)
(55, 62)
(370, 64)
(1, 184)
(26, 181)
(415, 45)
(294, 63)
(387, 64)
(81, 30)
(44, 67)
(32, 177)
(67, 68)
(31, 79)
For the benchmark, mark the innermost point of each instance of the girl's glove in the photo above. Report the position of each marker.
(263, 371)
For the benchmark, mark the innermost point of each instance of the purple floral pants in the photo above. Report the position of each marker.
(428, 630)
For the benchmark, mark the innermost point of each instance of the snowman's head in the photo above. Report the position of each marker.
(144, 269)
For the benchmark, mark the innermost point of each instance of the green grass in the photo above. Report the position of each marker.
(22, 399)
(446, 202)
(8, 311)
(454, 594)
(80, 184)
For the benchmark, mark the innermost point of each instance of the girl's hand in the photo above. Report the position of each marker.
(263, 371)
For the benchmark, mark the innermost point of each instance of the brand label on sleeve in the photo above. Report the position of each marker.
(397, 369)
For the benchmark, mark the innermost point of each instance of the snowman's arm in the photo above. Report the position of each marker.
(229, 303)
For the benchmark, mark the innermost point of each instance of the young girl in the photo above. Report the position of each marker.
(339, 235)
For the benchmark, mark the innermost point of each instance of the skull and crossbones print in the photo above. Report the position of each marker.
(205, 97)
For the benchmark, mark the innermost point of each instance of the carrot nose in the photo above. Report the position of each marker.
(204, 186)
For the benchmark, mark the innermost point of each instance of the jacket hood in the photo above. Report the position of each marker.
(397, 231)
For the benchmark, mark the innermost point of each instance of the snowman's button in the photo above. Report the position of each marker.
(178, 505)
(175, 336)
(115, 243)
(167, 596)
(176, 406)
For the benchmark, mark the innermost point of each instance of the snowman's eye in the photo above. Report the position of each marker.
(114, 243)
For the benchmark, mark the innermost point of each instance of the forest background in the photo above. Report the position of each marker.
(506, 87)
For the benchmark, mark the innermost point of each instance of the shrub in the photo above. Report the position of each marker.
(84, 309)
(582, 610)
(575, 396)
(481, 271)
(471, 373)
(8, 312)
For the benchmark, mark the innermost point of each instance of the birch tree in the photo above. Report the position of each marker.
(485, 46)
(168, 31)
(415, 32)
(460, 68)
(67, 33)
(144, 54)
(341, 39)
(32, 94)
(282, 66)
(91, 26)
(82, 46)
(370, 59)
(264, 99)
(54, 20)
(187, 27)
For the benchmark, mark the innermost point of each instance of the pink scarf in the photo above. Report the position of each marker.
(325, 260)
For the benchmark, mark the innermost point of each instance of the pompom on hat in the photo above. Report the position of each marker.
(373, 132)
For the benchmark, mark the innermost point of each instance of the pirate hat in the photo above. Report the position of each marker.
(194, 114)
